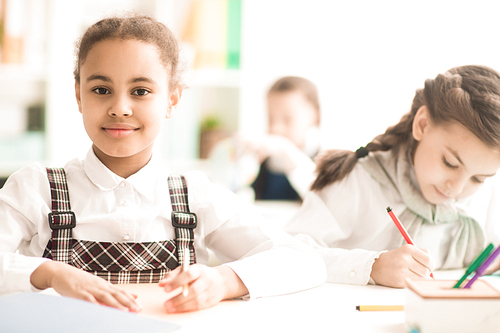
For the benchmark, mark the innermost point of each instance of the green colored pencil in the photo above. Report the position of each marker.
(475, 264)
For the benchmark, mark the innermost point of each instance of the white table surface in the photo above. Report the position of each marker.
(327, 308)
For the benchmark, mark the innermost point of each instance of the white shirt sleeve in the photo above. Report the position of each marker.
(268, 261)
(16, 228)
(15, 272)
(335, 222)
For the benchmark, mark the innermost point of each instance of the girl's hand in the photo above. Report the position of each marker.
(207, 286)
(495, 266)
(73, 282)
(392, 267)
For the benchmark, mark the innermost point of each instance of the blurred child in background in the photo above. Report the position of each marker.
(280, 165)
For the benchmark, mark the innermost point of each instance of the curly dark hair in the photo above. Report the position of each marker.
(137, 27)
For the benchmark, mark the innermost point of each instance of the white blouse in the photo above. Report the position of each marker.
(137, 209)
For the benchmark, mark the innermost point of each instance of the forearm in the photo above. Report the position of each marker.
(233, 286)
(41, 278)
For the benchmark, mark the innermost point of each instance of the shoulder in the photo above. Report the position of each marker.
(30, 175)
(74, 166)
(357, 179)
(28, 184)
(357, 192)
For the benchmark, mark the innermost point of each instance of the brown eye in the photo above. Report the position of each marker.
(101, 91)
(140, 92)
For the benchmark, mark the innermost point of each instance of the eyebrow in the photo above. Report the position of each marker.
(98, 77)
(459, 160)
(142, 79)
(107, 79)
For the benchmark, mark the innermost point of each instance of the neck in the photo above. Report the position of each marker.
(124, 166)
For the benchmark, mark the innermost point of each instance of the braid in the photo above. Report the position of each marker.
(334, 165)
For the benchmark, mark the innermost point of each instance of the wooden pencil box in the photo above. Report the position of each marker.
(435, 306)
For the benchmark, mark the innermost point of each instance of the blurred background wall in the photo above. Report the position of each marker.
(367, 58)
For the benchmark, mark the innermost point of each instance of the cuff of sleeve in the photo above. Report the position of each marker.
(371, 281)
(18, 269)
(349, 266)
(282, 276)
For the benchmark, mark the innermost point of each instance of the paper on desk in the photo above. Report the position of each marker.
(33, 312)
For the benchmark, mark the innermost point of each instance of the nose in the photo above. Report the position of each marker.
(120, 107)
(455, 186)
(277, 129)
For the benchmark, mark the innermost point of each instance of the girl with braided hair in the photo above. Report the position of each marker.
(434, 168)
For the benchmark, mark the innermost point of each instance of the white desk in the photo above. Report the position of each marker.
(328, 308)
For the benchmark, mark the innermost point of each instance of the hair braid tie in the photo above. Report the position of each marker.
(361, 152)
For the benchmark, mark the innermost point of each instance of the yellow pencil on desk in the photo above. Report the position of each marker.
(379, 307)
(185, 266)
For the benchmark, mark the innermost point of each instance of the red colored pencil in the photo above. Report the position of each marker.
(401, 228)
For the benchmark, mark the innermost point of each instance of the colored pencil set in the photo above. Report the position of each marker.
(479, 266)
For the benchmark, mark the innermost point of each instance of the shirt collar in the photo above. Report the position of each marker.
(144, 181)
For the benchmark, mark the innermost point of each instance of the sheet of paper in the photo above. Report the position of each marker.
(32, 312)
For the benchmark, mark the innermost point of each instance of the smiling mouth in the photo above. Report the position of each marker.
(119, 132)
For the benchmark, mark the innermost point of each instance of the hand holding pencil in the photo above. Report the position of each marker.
(401, 228)
(393, 267)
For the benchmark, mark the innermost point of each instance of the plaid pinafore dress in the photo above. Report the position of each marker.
(119, 262)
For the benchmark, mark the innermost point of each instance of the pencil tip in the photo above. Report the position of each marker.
(357, 307)
(388, 209)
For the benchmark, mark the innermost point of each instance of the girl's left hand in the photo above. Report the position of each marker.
(495, 266)
(207, 286)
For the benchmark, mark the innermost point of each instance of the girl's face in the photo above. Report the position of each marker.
(123, 96)
(450, 161)
(291, 115)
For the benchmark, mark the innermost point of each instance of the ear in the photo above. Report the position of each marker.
(421, 123)
(173, 101)
(78, 97)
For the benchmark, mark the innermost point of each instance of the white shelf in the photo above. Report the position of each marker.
(20, 72)
(229, 78)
